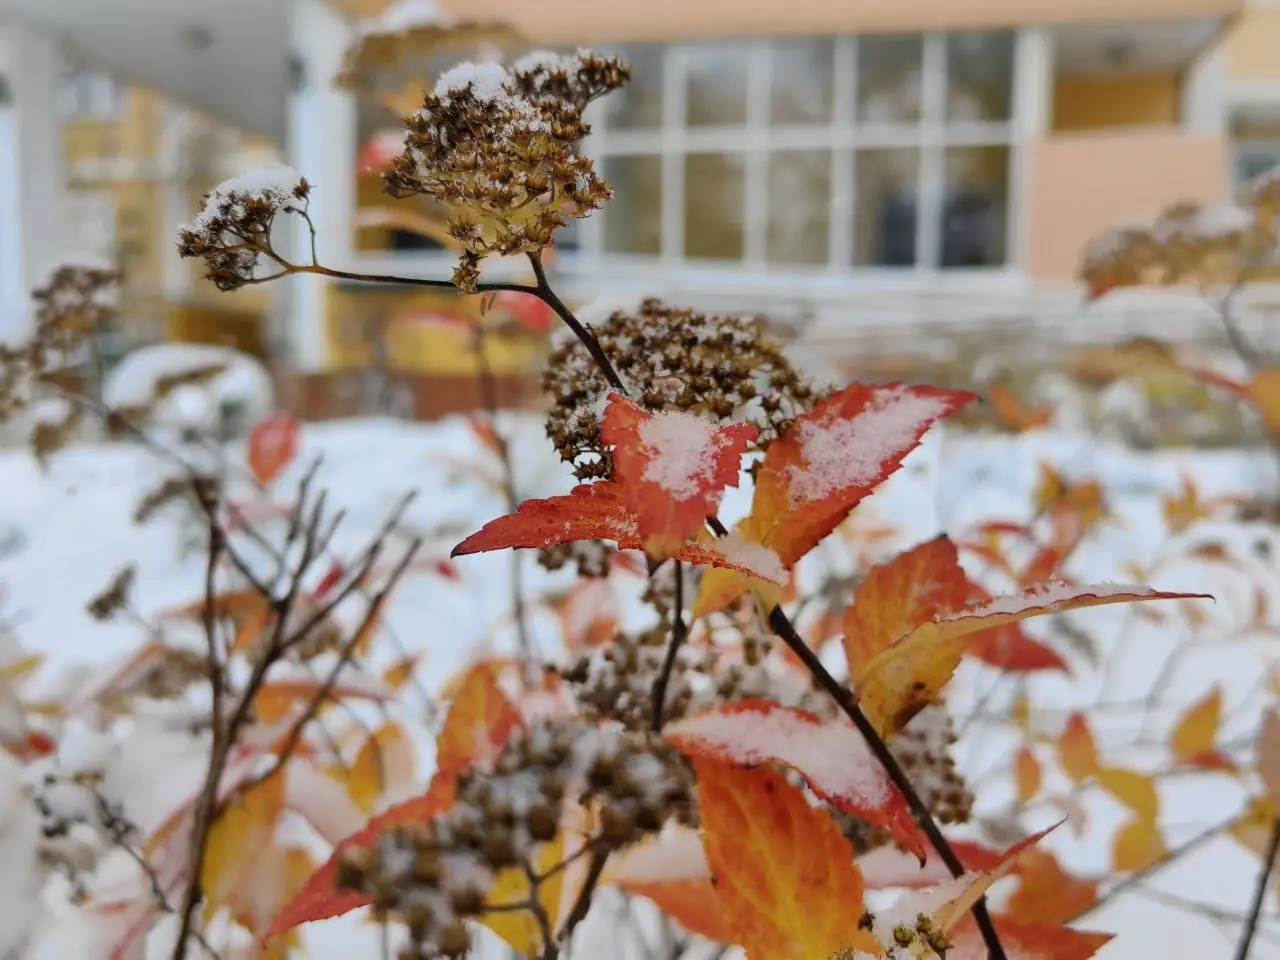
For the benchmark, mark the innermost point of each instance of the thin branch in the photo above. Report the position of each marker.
(1259, 892)
(679, 631)
(580, 906)
(548, 296)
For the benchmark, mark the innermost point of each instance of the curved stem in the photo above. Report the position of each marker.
(548, 296)
(679, 632)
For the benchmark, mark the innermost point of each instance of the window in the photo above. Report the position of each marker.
(90, 95)
(1255, 142)
(878, 152)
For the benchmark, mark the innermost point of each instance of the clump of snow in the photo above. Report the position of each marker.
(756, 557)
(833, 757)
(272, 183)
(684, 447)
(486, 81)
(1047, 595)
(547, 61)
(844, 453)
(1221, 220)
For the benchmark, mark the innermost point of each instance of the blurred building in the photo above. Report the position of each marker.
(814, 155)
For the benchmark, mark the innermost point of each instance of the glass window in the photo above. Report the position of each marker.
(886, 192)
(633, 219)
(638, 104)
(979, 76)
(716, 84)
(890, 84)
(713, 206)
(801, 81)
(799, 206)
(975, 207)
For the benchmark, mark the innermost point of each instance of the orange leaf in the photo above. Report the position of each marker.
(480, 720)
(398, 674)
(1077, 751)
(320, 898)
(1194, 734)
(673, 468)
(1046, 893)
(598, 511)
(1263, 393)
(272, 444)
(1013, 413)
(754, 732)
(782, 869)
(693, 903)
(914, 587)
(1137, 845)
(1026, 940)
(1184, 509)
(910, 674)
(1135, 790)
(1026, 774)
(835, 455)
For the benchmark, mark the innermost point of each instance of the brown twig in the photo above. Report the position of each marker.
(679, 632)
(1259, 892)
(582, 904)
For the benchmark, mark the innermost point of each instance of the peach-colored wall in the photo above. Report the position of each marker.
(1253, 46)
(597, 21)
(1083, 184)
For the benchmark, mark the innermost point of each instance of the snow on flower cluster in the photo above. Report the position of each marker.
(843, 453)
(273, 185)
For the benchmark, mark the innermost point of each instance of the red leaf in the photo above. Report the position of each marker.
(328, 581)
(528, 310)
(273, 443)
(1009, 648)
(598, 511)
(1026, 940)
(673, 468)
(833, 758)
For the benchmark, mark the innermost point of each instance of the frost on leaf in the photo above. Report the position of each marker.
(673, 468)
(783, 871)
(903, 679)
(827, 462)
(591, 511)
(832, 756)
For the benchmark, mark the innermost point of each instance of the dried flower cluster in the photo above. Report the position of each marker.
(590, 557)
(1189, 242)
(500, 148)
(720, 366)
(233, 230)
(435, 876)
(76, 301)
(923, 748)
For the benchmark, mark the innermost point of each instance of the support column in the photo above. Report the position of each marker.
(175, 167)
(32, 169)
(322, 147)
(1204, 101)
(1032, 123)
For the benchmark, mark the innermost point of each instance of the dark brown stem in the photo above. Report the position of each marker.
(548, 296)
(1259, 892)
(679, 631)
(580, 906)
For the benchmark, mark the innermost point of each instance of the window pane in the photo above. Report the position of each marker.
(713, 202)
(975, 207)
(716, 84)
(799, 206)
(638, 104)
(633, 219)
(979, 75)
(886, 188)
(803, 75)
(889, 84)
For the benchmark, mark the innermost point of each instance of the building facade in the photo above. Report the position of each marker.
(848, 160)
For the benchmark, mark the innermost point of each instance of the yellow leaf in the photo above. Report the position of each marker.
(1026, 775)
(519, 927)
(385, 760)
(398, 674)
(1137, 845)
(1135, 790)
(239, 839)
(21, 668)
(1194, 734)
(900, 681)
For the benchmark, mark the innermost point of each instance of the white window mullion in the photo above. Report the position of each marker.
(674, 80)
(932, 171)
(843, 140)
(591, 229)
(755, 212)
(1032, 118)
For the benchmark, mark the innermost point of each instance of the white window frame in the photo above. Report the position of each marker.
(672, 140)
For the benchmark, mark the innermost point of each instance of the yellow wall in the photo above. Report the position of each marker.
(1253, 46)
(1091, 103)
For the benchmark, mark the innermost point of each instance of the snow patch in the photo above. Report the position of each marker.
(756, 557)
(684, 447)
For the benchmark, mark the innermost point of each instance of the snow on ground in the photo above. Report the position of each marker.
(73, 527)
